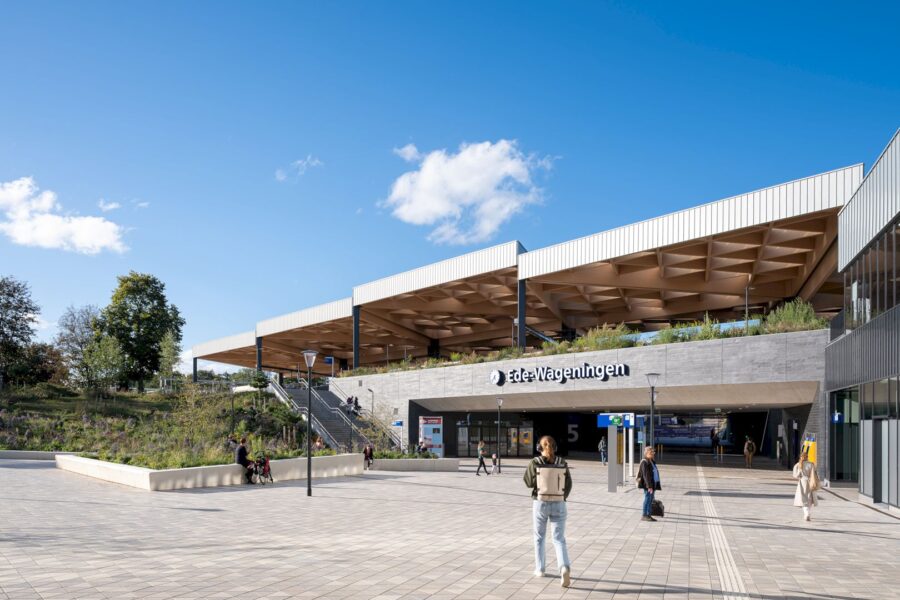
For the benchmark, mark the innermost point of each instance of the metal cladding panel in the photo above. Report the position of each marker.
(495, 258)
(875, 204)
(232, 342)
(339, 309)
(782, 201)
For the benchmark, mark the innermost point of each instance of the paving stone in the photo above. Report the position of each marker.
(447, 536)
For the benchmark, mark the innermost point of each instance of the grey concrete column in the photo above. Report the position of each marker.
(281, 379)
(355, 337)
(259, 354)
(194, 375)
(520, 314)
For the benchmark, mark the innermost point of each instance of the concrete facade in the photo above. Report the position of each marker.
(764, 372)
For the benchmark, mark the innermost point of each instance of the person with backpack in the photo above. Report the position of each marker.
(482, 453)
(807, 484)
(602, 448)
(749, 451)
(648, 480)
(550, 481)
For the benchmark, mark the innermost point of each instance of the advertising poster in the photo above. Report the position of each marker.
(431, 433)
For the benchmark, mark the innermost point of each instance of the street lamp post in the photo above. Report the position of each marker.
(652, 379)
(499, 404)
(310, 357)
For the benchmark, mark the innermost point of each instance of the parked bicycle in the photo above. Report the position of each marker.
(262, 471)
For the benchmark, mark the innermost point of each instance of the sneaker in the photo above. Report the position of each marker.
(565, 577)
(647, 518)
(540, 574)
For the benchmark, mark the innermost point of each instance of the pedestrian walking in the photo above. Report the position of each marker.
(602, 448)
(648, 480)
(550, 481)
(807, 484)
(714, 441)
(482, 452)
(367, 457)
(749, 451)
(493, 464)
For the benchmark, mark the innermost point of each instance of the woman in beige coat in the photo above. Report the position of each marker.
(807, 482)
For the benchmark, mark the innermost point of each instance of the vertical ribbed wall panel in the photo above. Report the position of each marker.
(868, 353)
(873, 206)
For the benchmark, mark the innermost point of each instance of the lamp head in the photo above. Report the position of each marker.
(310, 357)
(652, 379)
(499, 402)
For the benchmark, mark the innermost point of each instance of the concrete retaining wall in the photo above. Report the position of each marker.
(416, 464)
(129, 475)
(30, 454)
(211, 476)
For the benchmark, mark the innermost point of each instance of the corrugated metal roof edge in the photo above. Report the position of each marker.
(251, 333)
(520, 249)
(349, 299)
(684, 210)
(871, 169)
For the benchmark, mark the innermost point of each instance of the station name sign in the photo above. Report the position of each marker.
(560, 375)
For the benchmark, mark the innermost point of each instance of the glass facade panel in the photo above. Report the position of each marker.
(844, 445)
(870, 282)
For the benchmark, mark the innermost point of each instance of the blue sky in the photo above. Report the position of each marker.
(254, 150)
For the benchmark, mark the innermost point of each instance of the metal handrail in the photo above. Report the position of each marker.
(394, 437)
(287, 399)
(354, 430)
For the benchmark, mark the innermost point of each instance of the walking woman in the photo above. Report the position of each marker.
(648, 480)
(749, 451)
(550, 481)
(482, 453)
(807, 484)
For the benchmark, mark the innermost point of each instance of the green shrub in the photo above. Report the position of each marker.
(605, 337)
(796, 315)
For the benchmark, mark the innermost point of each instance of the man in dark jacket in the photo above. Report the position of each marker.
(240, 457)
(648, 481)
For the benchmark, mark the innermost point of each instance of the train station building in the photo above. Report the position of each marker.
(416, 344)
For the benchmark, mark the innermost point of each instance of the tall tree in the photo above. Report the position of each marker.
(169, 354)
(105, 359)
(76, 332)
(138, 316)
(18, 314)
(38, 363)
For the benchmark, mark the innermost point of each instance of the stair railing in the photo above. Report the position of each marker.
(354, 430)
(395, 438)
(291, 403)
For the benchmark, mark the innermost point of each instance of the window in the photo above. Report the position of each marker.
(865, 399)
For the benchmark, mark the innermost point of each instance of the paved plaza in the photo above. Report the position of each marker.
(728, 533)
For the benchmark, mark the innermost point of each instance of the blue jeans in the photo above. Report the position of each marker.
(603, 456)
(648, 500)
(556, 513)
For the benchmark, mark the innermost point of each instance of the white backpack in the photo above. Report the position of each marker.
(551, 480)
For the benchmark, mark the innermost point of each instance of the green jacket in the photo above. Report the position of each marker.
(531, 476)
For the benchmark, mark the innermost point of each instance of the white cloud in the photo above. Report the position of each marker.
(297, 168)
(409, 153)
(108, 206)
(140, 204)
(468, 195)
(31, 218)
